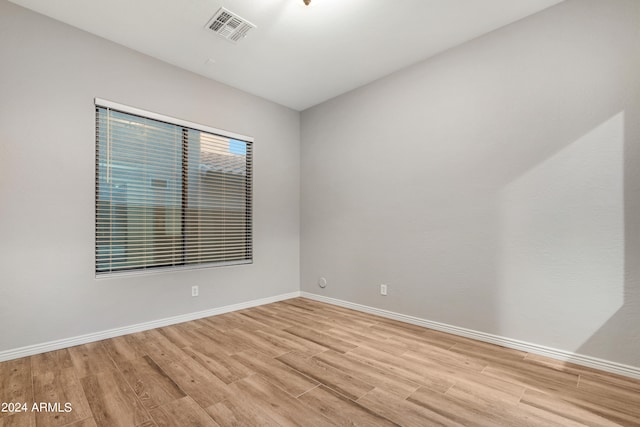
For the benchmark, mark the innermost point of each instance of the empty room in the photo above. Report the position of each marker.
(317, 213)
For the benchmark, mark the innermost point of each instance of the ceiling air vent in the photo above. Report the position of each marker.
(228, 25)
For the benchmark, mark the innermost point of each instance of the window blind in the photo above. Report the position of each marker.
(169, 193)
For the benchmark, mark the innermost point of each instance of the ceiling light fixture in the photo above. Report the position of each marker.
(306, 2)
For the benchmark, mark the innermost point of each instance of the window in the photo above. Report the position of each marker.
(169, 193)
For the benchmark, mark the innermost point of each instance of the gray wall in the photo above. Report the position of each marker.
(493, 187)
(49, 76)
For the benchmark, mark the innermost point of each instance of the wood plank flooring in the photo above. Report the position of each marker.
(305, 363)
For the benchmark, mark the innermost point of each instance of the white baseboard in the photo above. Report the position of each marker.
(565, 356)
(579, 359)
(97, 336)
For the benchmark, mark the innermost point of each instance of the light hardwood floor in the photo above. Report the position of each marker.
(301, 362)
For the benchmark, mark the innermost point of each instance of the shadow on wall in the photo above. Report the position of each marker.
(570, 226)
(624, 322)
(563, 241)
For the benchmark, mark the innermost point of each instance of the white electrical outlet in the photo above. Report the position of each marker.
(383, 289)
(194, 291)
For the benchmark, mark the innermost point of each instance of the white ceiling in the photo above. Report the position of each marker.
(297, 56)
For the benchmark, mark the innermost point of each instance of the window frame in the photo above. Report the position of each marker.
(185, 125)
